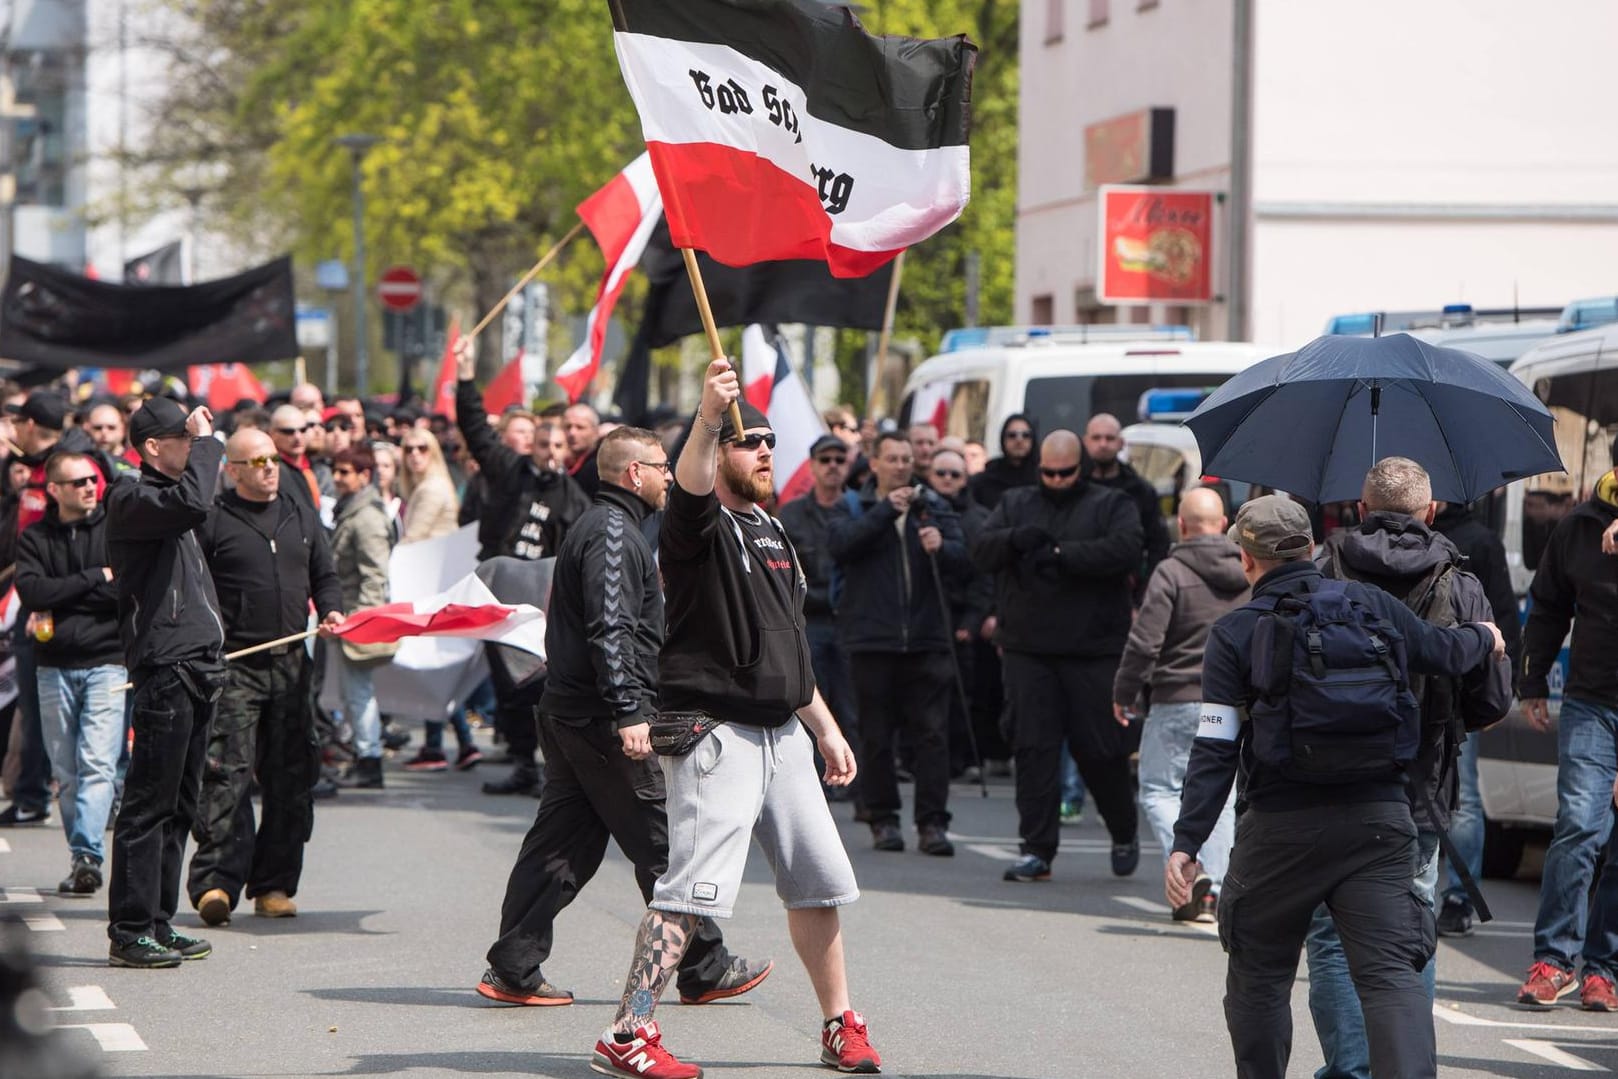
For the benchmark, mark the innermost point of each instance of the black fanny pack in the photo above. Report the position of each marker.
(674, 734)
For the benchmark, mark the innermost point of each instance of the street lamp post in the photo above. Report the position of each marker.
(357, 146)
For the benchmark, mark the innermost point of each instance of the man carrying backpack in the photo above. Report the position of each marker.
(1307, 689)
(1396, 549)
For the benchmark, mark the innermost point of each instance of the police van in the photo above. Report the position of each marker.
(1061, 376)
(1576, 376)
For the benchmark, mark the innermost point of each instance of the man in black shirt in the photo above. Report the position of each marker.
(603, 630)
(736, 652)
(1350, 845)
(269, 557)
(173, 644)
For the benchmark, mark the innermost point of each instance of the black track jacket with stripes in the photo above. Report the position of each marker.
(604, 626)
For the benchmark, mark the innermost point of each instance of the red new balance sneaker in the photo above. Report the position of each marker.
(846, 1046)
(643, 1057)
(1547, 983)
(1595, 994)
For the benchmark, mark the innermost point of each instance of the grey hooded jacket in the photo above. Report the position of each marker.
(1198, 582)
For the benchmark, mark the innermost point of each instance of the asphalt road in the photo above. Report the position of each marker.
(960, 975)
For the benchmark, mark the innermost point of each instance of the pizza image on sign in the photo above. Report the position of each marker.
(1155, 245)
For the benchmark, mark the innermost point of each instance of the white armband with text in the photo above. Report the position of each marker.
(1218, 721)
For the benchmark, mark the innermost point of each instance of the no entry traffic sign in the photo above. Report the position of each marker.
(399, 288)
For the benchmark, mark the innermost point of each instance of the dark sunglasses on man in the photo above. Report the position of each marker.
(831, 460)
(1059, 473)
(947, 473)
(82, 481)
(292, 430)
(753, 442)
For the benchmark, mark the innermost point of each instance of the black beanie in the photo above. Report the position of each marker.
(751, 418)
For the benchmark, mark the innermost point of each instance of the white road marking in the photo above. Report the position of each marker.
(1459, 1018)
(112, 1037)
(1162, 911)
(87, 998)
(5, 846)
(19, 895)
(43, 923)
(1549, 1052)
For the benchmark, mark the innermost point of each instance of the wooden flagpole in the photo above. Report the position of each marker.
(522, 282)
(265, 647)
(694, 272)
(887, 329)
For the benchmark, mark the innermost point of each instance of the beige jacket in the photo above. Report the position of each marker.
(432, 510)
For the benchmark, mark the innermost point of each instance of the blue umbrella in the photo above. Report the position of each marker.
(1313, 422)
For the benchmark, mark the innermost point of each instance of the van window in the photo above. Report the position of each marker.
(1068, 402)
(968, 410)
(1585, 406)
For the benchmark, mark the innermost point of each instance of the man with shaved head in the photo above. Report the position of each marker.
(268, 557)
(289, 432)
(1103, 442)
(1189, 590)
(1063, 553)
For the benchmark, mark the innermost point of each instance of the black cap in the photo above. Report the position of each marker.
(45, 408)
(827, 442)
(160, 417)
(751, 418)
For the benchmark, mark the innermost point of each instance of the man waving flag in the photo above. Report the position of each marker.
(780, 129)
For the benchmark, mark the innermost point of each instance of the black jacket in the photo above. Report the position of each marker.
(734, 592)
(807, 522)
(1155, 528)
(889, 600)
(1575, 584)
(268, 561)
(1397, 554)
(604, 625)
(167, 608)
(1062, 562)
(1486, 560)
(1005, 473)
(60, 570)
(1221, 745)
(971, 598)
(527, 511)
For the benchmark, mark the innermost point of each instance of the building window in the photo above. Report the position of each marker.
(1044, 310)
(1098, 13)
(1055, 20)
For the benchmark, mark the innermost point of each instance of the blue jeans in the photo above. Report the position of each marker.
(33, 790)
(1587, 751)
(1165, 748)
(1073, 791)
(1466, 823)
(1339, 1022)
(81, 712)
(360, 707)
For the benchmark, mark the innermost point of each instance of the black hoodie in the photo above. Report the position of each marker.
(61, 569)
(1006, 473)
(1486, 560)
(1575, 584)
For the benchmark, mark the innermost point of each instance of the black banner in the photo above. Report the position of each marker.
(55, 319)
(799, 290)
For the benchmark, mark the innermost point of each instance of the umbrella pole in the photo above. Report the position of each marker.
(1376, 409)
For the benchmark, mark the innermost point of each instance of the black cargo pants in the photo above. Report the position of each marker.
(1360, 860)
(265, 727)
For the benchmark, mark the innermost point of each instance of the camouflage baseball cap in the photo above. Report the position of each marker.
(1273, 528)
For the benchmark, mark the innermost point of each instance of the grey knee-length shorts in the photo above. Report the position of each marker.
(743, 782)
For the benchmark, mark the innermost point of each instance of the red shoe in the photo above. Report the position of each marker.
(427, 760)
(1596, 994)
(643, 1057)
(845, 1045)
(545, 995)
(1547, 983)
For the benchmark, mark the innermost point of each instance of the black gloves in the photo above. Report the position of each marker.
(1025, 538)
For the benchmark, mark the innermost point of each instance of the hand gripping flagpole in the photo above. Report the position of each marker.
(522, 282)
(291, 638)
(694, 272)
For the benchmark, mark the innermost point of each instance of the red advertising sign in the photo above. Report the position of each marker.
(1156, 246)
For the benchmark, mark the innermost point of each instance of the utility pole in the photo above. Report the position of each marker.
(1240, 221)
(358, 145)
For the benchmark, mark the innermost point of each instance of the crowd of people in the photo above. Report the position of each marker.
(924, 612)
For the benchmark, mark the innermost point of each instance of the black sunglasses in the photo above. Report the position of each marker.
(1019, 434)
(753, 442)
(948, 473)
(831, 460)
(1059, 473)
(82, 481)
(292, 430)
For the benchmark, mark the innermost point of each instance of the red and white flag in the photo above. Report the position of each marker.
(621, 217)
(466, 609)
(442, 398)
(780, 129)
(773, 387)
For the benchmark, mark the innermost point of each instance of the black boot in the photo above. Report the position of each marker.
(524, 779)
(367, 774)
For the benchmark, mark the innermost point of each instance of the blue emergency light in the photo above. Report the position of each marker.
(1170, 406)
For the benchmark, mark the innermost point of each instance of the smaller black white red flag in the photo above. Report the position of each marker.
(780, 129)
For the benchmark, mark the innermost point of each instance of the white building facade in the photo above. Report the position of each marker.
(1403, 156)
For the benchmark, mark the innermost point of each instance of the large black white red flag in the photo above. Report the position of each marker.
(780, 129)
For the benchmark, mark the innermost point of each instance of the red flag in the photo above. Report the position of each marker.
(442, 399)
(223, 384)
(621, 217)
(396, 621)
(773, 387)
(505, 389)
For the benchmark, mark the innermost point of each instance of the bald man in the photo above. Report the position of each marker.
(289, 432)
(1103, 443)
(1063, 554)
(1188, 592)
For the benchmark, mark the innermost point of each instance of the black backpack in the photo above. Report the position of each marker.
(1334, 703)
